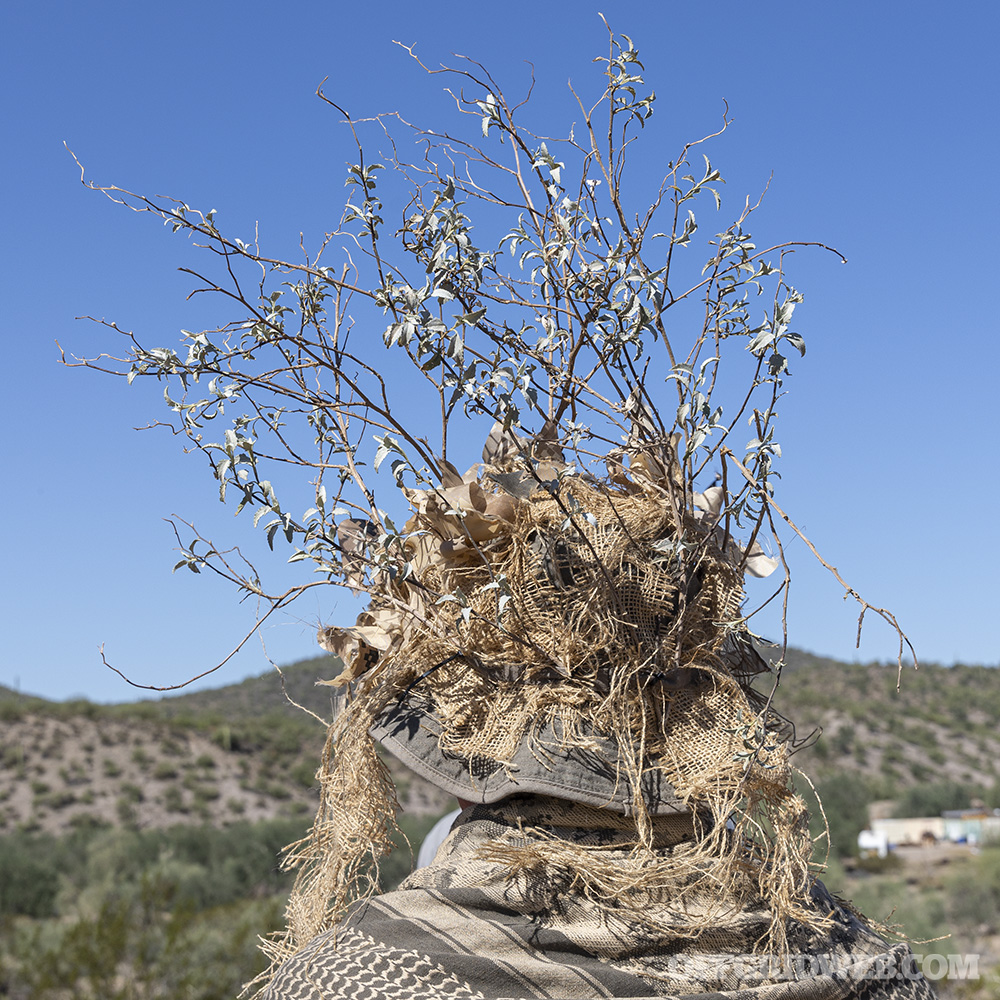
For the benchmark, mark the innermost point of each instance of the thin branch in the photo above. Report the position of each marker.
(883, 613)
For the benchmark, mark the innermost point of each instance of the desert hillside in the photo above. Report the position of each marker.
(245, 752)
(139, 842)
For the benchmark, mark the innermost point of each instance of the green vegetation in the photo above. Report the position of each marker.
(845, 801)
(974, 899)
(118, 913)
(103, 874)
(933, 799)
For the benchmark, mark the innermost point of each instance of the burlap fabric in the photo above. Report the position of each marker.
(473, 927)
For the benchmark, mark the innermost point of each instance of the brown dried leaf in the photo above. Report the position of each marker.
(545, 444)
(450, 476)
(502, 446)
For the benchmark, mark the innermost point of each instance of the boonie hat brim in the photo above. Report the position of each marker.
(542, 765)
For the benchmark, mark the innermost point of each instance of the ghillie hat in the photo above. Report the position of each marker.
(573, 612)
(589, 646)
(565, 619)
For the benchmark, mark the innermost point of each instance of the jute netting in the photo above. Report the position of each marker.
(610, 609)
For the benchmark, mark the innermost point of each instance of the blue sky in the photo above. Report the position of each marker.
(878, 121)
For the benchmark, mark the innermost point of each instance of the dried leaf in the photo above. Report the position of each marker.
(450, 476)
(518, 484)
(758, 564)
(545, 444)
(500, 505)
(711, 501)
(502, 446)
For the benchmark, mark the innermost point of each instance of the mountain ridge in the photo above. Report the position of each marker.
(243, 751)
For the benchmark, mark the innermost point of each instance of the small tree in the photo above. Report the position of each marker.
(489, 281)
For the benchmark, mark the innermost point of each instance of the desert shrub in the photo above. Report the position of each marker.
(132, 792)
(126, 812)
(406, 843)
(142, 947)
(845, 800)
(272, 789)
(304, 774)
(173, 799)
(88, 821)
(173, 748)
(933, 799)
(75, 774)
(880, 866)
(56, 800)
(11, 710)
(843, 741)
(974, 894)
(28, 881)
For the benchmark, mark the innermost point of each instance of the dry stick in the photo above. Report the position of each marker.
(209, 231)
(289, 698)
(883, 613)
(280, 602)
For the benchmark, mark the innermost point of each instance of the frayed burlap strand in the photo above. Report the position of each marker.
(338, 860)
(606, 610)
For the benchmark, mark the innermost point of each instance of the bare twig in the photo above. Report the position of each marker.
(883, 613)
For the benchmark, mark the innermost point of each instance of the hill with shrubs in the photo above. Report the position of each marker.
(139, 842)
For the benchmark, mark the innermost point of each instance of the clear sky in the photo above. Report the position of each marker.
(878, 121)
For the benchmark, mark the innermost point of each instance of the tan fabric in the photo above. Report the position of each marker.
(473, 927)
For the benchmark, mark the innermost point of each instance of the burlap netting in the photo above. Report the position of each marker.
(598, 625)
(611, 608)
(602, 623)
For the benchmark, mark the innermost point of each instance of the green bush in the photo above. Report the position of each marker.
(173, 799)
(406, 843)
(974, 897)
(199, 866)
(173, 748)
(28, 881)
(843, 741)
(125, 810)
(304, 774)
(88, 821)
(55, 800)
(845, 799)
(142, 947)
(132, 792)
(934, 799)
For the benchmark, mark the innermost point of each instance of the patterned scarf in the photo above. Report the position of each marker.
(491, 918)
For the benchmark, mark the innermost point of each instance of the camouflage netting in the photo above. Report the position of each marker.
(612, 607)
